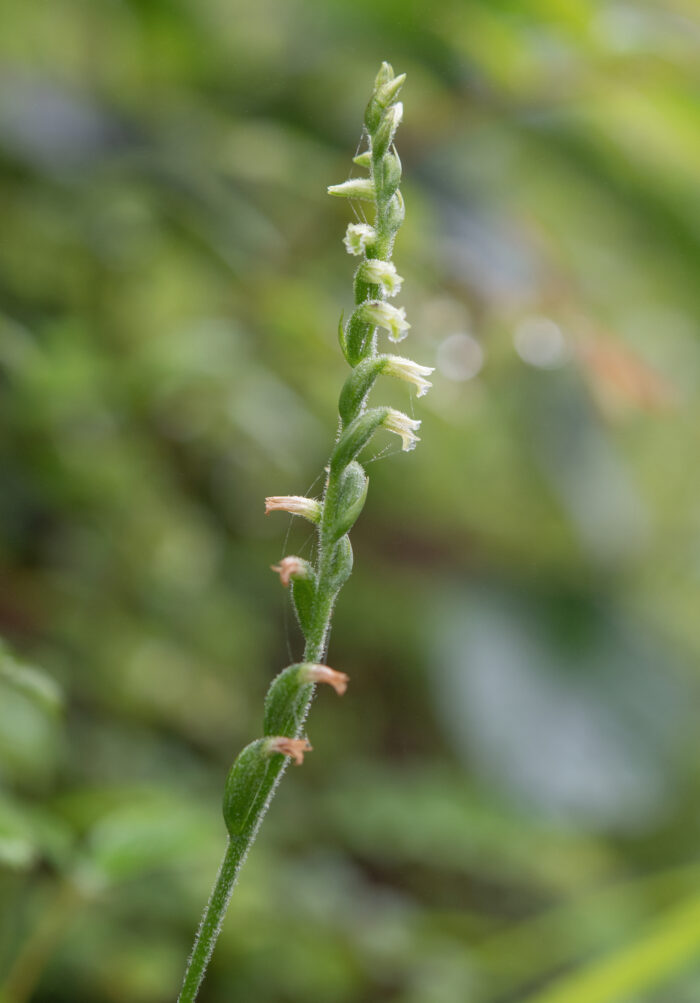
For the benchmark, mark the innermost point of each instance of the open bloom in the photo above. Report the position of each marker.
(358, 236)
(290, 568)
(354, 188)
(381, 273)
(406, 369)
(397, 421)
(312, 673)
(295, 505)
(392, 318)
(292, 747)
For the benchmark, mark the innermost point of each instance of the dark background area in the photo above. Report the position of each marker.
(505, 805)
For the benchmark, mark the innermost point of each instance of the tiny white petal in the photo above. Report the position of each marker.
(385, 315)
(383, 274)
(406, 369)
(402, 425)
(358, 237)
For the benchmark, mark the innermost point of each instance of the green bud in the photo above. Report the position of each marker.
(388, 91)
(248, 783)
(342, 562)
(395, 212)
(354, 188)
(363, 159)
(386, 130)
(357, 386)
(357, 336)
(352, 494)
(388, 175)
(385, 75)
(286, 703)
(356, 436)
(303, 597)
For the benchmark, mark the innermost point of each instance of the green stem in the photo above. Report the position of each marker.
(237, 850)
(259, 767)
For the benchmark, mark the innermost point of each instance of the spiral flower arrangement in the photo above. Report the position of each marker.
(315, 585)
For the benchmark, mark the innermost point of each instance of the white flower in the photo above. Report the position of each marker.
(295, 505)
(406, 369)
(382, 314)
(381, 273)
(397, 421)
(354, 188)
(358, 237)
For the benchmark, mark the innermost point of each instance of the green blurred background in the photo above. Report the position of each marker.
(506, 805)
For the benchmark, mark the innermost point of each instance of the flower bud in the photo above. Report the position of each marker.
(382, 314)
(291, 568)
(381, 273)
(406, 369)
(388, 176)
(396, 212)
(363, 159)
(292, 747)
(354, 188)
(384, 76)
(386, 130)
(309, 508)
(358, 237)
(322, 674)
(386, 92)
(397, 421)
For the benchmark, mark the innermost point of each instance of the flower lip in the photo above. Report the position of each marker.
(314, 673)
(411, 372)
(290, 568)
(358, 236)
(402, 425)
(383, 314)
(292, 747)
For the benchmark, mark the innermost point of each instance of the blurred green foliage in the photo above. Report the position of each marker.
(504, 807)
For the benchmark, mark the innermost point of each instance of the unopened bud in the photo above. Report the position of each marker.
(358, 236)
(381, 273)
(322, 674)
(386, 92)
(384, 76)
(290, 568)
(382, 314)
(386, 130)
(401, 424)
(411, 372)
(292, 747)
(354, 188)
(309, 508)
(363, 159)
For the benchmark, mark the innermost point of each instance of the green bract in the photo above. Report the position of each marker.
(315, 587)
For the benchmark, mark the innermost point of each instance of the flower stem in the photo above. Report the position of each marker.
(259, 767)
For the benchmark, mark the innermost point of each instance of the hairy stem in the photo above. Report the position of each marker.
(237, 850)
(258, 768)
